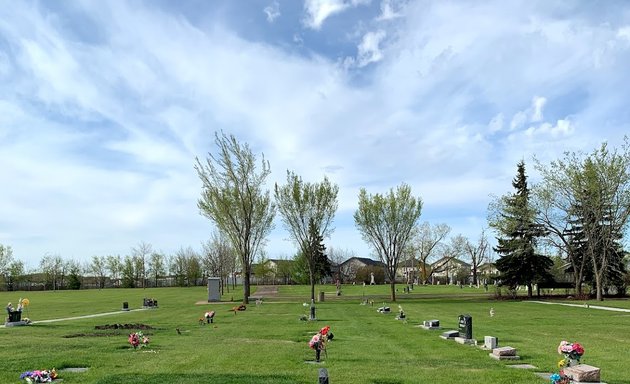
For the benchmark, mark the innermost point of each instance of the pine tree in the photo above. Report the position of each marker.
(519, 263)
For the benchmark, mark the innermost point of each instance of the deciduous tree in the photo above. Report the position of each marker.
(386, 222)
(426, 244)
(307, 211)
(234, 198)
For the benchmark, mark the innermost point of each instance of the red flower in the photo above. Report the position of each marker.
(577, 348)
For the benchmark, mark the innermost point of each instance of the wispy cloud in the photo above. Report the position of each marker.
(369, 50)
(317, 11)
(100, 122)
(272, 11)
(390, 10)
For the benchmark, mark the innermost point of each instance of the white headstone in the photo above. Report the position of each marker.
(490, 342)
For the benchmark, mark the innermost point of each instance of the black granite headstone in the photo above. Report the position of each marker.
(465, 326)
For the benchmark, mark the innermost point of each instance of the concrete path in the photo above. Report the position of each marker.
(263, 291)
(587, 306)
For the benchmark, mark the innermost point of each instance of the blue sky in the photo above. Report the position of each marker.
(105, 105)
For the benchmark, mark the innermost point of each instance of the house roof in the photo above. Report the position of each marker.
(365, 261)
(451, 261)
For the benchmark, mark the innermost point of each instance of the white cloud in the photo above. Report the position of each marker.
(107, 129)
(317, 11)
(624, 33)
(496, 124)
(390, 10)
(272, 11)
(369, 50)
(518, 120)
(561, 128)
(537, 105)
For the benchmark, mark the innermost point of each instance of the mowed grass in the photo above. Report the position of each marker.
(268, 343)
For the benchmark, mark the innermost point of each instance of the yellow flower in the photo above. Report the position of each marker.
(561, 363)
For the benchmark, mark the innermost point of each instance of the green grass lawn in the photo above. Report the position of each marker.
(268, 343)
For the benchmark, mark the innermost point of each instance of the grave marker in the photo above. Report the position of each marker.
(490, 342)
(431, 324)
(465, 327)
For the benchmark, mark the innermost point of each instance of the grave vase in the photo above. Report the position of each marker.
(572, 362)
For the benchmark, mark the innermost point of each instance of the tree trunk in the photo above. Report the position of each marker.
(392, 285)
(529, 290)
(246, 287)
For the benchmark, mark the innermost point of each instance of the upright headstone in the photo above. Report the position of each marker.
(214, 289)
(490, 342)
(465, 327)
(15, 316)
(323, 376)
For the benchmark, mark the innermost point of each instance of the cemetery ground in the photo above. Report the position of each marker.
(268, 343)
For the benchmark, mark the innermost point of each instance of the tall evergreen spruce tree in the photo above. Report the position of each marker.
(321, 263)
(519, 264)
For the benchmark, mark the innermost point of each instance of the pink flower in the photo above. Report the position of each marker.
(314, 341)
(561, 347)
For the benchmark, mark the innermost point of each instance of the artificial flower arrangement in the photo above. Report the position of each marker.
(560, 378)
(572, 353)
(137, 339)
(318, 341)
(43, 376)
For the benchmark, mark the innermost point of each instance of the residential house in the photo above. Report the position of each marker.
(450, 270)
(358, 269)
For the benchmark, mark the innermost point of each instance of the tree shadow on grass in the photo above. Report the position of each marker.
(189, 378)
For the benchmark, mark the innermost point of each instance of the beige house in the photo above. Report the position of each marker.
(450, 270)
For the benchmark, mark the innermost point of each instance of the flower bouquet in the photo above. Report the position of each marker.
(318, 341)
(138, 340)
(572, 353)
(560, 378)
(43, 376)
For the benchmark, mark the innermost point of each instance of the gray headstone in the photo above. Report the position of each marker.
(214, 289)
(449, 334)
(323, 376)
(490, 342)
(431, 323)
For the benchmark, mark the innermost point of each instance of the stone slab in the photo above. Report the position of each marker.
(583, 373)
(73, 369)
(431, 323)
(497, 357)
(430, 328)
(463, 340)
(547, 376)
(504, 351)
(586, 382)
(449, 335)
(522, 366)
(15, 323)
